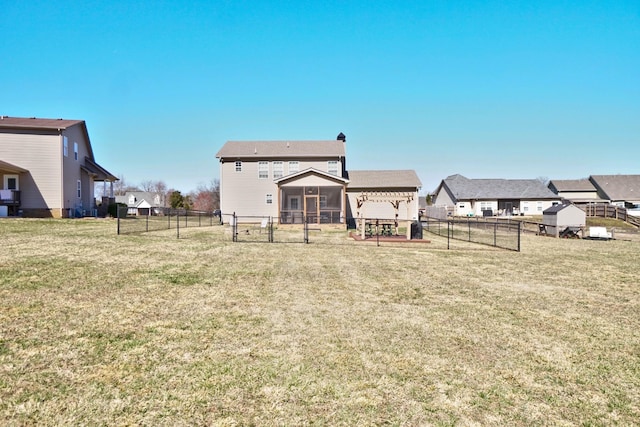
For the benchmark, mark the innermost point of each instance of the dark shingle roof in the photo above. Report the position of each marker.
(463, 188)
(281, 149)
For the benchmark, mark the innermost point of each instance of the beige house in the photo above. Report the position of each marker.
(295, 180)
(578, 191)
(47, 167)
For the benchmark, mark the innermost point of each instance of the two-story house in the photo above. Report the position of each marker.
(47, 167)
(292, 180)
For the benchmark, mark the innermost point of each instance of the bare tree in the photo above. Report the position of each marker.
(207, 196)
(147, 186)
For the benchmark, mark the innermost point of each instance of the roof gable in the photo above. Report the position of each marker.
(310, 171)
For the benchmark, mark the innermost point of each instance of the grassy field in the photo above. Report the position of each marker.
(100, 329)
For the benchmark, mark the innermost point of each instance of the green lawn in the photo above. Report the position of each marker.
(100, 329)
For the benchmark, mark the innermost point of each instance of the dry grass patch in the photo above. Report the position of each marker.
(105, 329)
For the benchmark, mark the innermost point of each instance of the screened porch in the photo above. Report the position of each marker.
(315, 204)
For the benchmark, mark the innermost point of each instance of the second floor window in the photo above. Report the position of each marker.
(65, 146)
(278, 170)
(238, 166)
(269, 199)
(263, 170)
(294, 167)
(75, 151)
(332, 167)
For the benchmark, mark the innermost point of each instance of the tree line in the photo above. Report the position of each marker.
(206, 197)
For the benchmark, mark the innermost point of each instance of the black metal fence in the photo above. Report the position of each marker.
(165, 219)
(493, 233)
(246, 228)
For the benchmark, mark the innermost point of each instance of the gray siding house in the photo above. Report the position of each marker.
(292, 180)
(47, 167)
(462, 196)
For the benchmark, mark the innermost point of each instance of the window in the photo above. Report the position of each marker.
(485, 206)
(323, 201)
(269, 199)
(294, 167)
(294, 203)
(278, 170)
(525, 206)
(238, 166)
(79, 189)
(75, 150)
(263, 170)
(332, 167)
(65, 146)
(539, 206)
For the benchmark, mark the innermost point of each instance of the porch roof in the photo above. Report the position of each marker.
(311, 171)
(100, 173)
(8, 167)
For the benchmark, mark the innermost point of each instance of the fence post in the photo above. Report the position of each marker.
(118, 216)
(270, 229)
(449, 226)
(519, 227)
(469, 225)
(495, 231)
(169, 217)
(147, 223)
(234, 228)
(306, 229)
(178, 224)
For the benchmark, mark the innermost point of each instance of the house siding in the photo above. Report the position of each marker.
(72, 172)
(41, 154)
(245, 194)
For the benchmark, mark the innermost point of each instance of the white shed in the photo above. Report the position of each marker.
(560, 217)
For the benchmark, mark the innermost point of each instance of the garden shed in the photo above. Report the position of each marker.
(564, 218)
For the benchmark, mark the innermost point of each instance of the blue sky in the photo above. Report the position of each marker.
(487, 89)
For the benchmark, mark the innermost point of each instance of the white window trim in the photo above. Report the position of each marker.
(79, 189)
(65, 146)
(263, 170)
(238, 166)
(269, 199)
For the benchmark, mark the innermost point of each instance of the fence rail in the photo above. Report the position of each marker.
(603, 210)
(166, 219)
(500, 234)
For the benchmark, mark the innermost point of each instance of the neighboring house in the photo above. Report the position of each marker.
(142, 203)
(620, 190)
(462, 196)
(292, 180)
(48, 166)
(577, 191)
